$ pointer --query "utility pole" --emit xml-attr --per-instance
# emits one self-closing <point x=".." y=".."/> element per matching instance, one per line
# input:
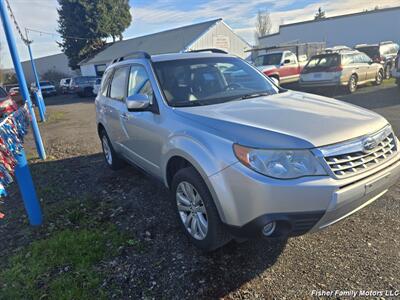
<point x="38" y="92"/>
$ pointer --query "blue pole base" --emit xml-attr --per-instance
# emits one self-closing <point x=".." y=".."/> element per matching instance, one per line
<point x="28" y="192"/>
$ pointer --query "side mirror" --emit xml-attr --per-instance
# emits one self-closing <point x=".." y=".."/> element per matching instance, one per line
<point x="285" y="62"/>
<point x="137" y="102"/>
<point x="370" y="62"/>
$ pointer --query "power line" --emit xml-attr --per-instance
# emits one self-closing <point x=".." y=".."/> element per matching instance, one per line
<point x="24" y="39"/>
<point x="57" y="34"/>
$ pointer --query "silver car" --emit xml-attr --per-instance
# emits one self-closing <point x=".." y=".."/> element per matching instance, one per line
<point x="242" y="157"/>
<point x="341" y="68"/>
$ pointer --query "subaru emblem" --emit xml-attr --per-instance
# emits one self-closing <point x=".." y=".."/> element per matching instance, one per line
<point x="369" y="144"/>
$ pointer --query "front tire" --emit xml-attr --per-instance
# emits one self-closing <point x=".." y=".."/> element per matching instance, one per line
<point x="379" y="78"/>
<point x="352" y="84"/>
<point x="113" y="161"/>
<point x="196" y="211"/>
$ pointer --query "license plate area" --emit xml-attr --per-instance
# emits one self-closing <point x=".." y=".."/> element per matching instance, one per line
<point x="377" y="183"/>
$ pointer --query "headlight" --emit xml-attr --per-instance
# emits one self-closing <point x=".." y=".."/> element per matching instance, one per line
<point x="282" y="164"/>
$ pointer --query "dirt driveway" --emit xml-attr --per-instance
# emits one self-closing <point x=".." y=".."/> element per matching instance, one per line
<point x="126" y="219"/>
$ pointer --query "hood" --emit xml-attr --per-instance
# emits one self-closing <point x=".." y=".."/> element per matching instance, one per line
<point x="47" y="86"/>
<point x="286" y="120"/>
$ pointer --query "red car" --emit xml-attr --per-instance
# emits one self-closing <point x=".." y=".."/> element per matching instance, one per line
<point x="7" y="105"/>
<point x="281" y="66"/>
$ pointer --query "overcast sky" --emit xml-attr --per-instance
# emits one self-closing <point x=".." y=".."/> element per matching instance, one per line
<point x="164" y="14"/>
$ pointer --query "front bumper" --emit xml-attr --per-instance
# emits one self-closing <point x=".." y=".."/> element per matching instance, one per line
<point x="247" y="201"/>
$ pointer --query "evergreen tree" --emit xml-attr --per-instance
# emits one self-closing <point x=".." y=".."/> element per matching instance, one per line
<point x="320" y="14"/>
<point x="85" y="25"/>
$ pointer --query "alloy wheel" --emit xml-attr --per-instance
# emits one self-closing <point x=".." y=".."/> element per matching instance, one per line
<point x="107" y="150"/>
<point x="192" y="210"/>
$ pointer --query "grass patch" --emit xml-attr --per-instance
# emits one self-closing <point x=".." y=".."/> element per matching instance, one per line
<point x="55" y="116"/>
<point x="67" y="263"/>
<point x="62" y="266"/>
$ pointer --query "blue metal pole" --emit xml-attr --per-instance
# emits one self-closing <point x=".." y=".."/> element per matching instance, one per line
<point x="21" y="77"/>
<point x="27" y="189"/>
<point x="38" y="94"/>
<point x="22" y="173"/>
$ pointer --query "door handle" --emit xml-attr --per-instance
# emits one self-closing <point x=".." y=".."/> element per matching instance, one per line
<point x="125" y="116"/>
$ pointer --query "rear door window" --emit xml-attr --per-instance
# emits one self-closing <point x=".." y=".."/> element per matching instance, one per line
<point x="118" y="84"/>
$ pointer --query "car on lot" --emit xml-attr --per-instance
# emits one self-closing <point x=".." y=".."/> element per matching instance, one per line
<point x="47" y="87"/>
<point x="396" y="69"/>
<point x="383" y="53"/>
<point x="83" y="85"/>
<point x="242" y="158"/>
<point x="64" y="85"/>
<point x="7" y="104"/>
<point x="281" y="66"/>
<point x="96" y="86"/>
<point x="347" y="69"/>
<point x="15" y="94"/>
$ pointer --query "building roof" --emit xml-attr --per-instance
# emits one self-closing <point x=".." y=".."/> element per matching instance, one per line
<point x="169" y="41"/>
<point x="332" y="18"/>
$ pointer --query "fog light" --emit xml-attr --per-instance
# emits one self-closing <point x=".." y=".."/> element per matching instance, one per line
<point x="269" y="228"/>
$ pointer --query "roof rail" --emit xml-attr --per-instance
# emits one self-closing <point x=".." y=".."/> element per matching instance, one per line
<point x="385" y="42"/>
<point x="213" y="50"/>
<point x="135" y="54"/>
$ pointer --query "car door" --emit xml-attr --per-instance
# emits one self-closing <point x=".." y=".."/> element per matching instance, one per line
<point x="370" y="66"/>
<point x="114" y="106"/>
<point x="142" y="140"/>
<point x="360" y="66"/>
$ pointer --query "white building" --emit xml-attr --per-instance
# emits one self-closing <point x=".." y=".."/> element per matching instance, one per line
<point x="211" y="34"/>
<point x="57" y="63"/>
<point x="359" y="28"/>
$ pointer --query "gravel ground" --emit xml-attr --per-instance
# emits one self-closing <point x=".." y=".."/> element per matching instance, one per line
<point x="360" y="253"/>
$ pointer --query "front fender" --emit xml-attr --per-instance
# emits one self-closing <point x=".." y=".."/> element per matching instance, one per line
<point x="208" y="158"/>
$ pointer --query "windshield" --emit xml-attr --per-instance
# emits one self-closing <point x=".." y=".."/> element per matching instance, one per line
<point x="45" y="83"/>
<point x="372" y="51"/>
<point x="268" y="59"/>
<point x="84" y="79"/>
<point x="203" y="81"/>
<point x="320" y="62"/>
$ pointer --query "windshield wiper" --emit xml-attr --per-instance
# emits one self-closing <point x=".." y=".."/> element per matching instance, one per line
<point x="254" y="95"/>
<point x="187" y="104"/>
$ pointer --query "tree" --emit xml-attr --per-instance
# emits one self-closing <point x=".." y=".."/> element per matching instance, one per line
<point x="263" y="23"/>
<point x="85" y="25"/>
<point x="320" y="14"/>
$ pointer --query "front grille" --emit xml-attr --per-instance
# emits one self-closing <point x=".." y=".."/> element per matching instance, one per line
<point x="348" y="164"/>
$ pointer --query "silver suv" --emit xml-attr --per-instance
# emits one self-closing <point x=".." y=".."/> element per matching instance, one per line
<point x="242" y="157"/>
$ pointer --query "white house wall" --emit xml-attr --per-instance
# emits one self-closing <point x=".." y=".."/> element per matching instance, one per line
<point x="372" y="27"/>
<point x="220" y="35"/>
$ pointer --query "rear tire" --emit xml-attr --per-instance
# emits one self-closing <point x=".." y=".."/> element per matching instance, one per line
<point x="112" y="159"/>
<point x="352" y="84"/>
<point x="215" y="235"/>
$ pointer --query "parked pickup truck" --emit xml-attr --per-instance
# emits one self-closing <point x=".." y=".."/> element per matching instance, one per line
<point x="280" y="66"/>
